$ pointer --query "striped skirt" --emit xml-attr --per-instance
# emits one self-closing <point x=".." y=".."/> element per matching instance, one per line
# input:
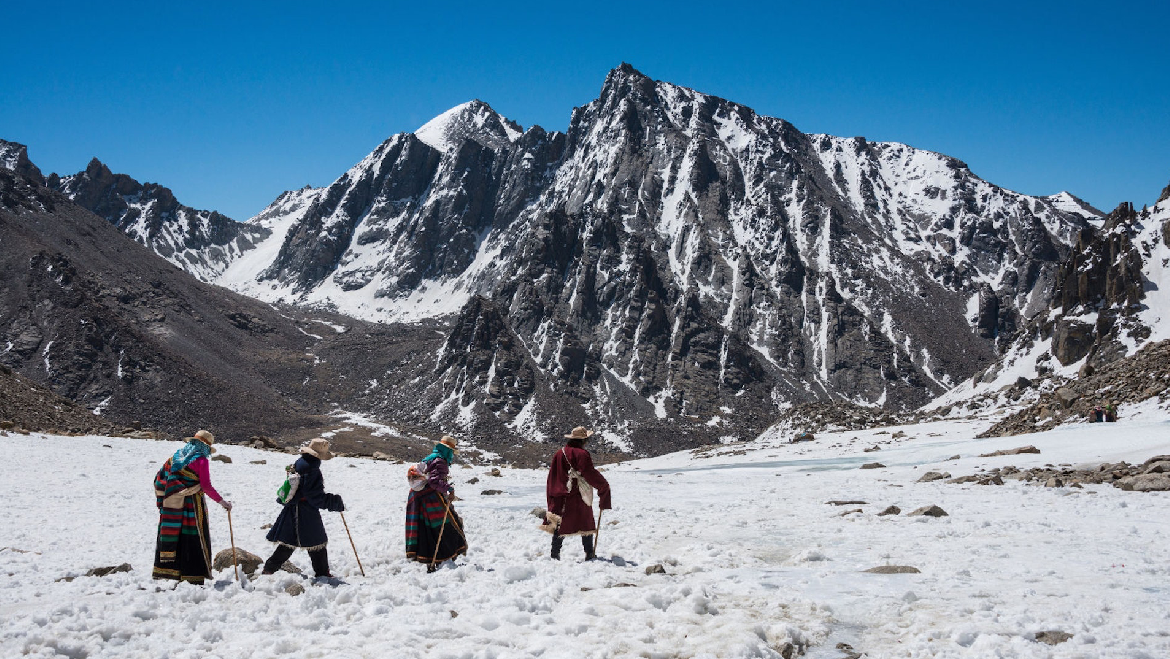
<point x="183" y="550"/>
<point x="424" y="525"/>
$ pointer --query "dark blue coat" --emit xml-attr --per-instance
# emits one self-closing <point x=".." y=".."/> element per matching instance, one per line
<point x="299" y="524"/>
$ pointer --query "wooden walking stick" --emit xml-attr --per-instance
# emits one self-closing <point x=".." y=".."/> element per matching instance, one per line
<point x="232" y="535"/>
<point x="442" y="528"/>
<point x="355" y="554"/>
<point x="597" y="537"/>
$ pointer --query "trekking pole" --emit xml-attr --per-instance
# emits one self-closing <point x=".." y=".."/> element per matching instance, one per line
<point x="597" y="537"/>
<point x="442" y="527"/>
<point x="355" y="554"/>
<point x="455" y="523"/>
<point x="232" y="535"/>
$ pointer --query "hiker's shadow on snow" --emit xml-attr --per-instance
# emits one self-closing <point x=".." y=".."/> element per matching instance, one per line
<point x="615" y="560"/>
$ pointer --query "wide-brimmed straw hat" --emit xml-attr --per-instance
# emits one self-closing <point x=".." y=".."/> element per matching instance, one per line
<point x="206" y="437"/>
<point x="318" y="447"/>
<point x="579" y="433"/>
<point x="450" y="442"/>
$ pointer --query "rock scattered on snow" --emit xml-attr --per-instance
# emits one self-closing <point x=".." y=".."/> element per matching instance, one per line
<point x="113" y="569"/>
<point x="473" y="481"/>
<point x="488" y="493"/>
<point x="1014" y="451"/>
<point x="890" y="510"/>
<point x="248" y="562"/>
<point x="873" y="465"/>
<point x="929" y="511"/>
<point x="294" y="589"/>
<point x="934" y="476"/>
<point x="258" y="462"/>
<point x="494" y="472"/>
<point x="655" y="569"/>
<point x="222" y="458"/>
<point x="845" y="503"/>
<point x="1052" y="637"/>
<point x="1157" y="482"/>
<point x="893" y="569"/>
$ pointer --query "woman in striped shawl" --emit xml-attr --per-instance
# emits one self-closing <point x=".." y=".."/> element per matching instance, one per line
<point x="183" y="552"/>
<point x="434" y="531"/>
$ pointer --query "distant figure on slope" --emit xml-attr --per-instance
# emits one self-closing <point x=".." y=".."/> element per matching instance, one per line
<point x="569" y="492"/>
<point x="1111" y="411"/>
<point x="1097" y="414"/>
<point x="434" y="531"/>
<point x="183" y="550"/>
<point x="299" y="525"/>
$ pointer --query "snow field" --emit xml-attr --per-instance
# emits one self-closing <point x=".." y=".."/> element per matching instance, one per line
<point x="754" y="557"/>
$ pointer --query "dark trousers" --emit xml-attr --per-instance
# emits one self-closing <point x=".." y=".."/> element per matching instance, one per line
<point x="586" y="544"/>
<point x="319" y="557"/>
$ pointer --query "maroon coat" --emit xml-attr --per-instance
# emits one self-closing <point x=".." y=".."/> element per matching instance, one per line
<point x="576" y="517"/>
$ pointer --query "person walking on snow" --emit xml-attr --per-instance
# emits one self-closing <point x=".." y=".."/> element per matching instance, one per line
<point x="434" y="531"/>
<point x="569" y="490"/>
<point x="183" y="548"/>
<point x="299" y="525"/>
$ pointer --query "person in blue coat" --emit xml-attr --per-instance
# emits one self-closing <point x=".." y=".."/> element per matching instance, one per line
<point x="299" y="525"/>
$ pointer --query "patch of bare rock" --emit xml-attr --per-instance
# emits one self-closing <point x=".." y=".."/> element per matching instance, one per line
<point x="1153" y="475"/>
<point x="893" y="569"/>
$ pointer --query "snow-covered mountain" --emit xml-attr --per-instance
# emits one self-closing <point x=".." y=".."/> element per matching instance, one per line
<point x="1111" y="297"/>
<point x="199" y="241"/>
<point x="673" y="257"/>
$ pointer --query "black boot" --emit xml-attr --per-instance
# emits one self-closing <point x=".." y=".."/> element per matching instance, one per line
<point x="587" y="544"/>
<point x="557" y="541"/>
<point x="277" y="559"/>
<point x="320" y="559"/>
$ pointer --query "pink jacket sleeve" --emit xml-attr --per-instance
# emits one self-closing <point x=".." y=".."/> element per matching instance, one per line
<point x="200" y="467"/>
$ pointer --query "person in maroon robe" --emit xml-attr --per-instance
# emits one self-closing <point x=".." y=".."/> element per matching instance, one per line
<point x="572" y="480"/>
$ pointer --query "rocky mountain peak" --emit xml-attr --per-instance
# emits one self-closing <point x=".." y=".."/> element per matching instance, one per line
<point x="1165" y="194"/>
<point x="474" y="120"/>
<point x="14" y="156"/>
<point x="202" y="242"/>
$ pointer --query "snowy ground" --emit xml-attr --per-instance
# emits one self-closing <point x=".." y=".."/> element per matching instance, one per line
<point x="754" y="557"/>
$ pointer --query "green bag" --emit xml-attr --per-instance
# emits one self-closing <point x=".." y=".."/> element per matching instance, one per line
<point x="287" y="491"/>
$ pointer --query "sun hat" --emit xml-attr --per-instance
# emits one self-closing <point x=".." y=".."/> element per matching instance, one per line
<point x="318" y="447"/>
<point x="206" y="437"/>
<point x="579" y="433"/>
<point x="450" y="442"/>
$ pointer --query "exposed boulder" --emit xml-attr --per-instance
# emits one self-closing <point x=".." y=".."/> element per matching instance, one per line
<point x="1157" y="482"/>
<point x="1014" y="451"/>
<point x="929" y="511"/>
<point x="893" y="569"/>
<point x="248" y="562"/>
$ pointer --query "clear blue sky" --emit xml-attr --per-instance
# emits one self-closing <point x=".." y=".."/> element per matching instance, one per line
<point x="229" y="105"/>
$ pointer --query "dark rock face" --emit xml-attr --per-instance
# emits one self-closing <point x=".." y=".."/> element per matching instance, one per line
<point x="26" y="405"/>
<point x="201" y="242"/>
<point x="14" y="157"/>
<point x="1072" y="340"/>
<point x="1102" y="274"/>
